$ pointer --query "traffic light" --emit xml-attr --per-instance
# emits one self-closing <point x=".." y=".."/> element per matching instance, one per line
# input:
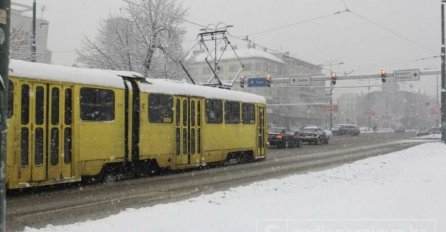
<point x="268" y="80"/>
<point x="333" y="78"/>
<point x="242" y="82"/>
<point x="383" y="75"/>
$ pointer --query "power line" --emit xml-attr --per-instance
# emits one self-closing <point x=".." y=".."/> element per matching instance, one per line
<point x="391" y="31"/>
<point x="298" y="23"/>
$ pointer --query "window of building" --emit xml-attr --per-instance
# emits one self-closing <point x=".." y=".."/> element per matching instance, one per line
<point x="233" y="68"/>
<point x="214" y="111"/>
<point x="206" y="70"/>
<point x="160" y="108"/>
<point x="232" y="112"/>
<point x="248" y="113"/>
<point x="97" y="104"/>
<point x="265" y="67"/>
<point x="248" y="67"/>
<point x="258" y="66"/>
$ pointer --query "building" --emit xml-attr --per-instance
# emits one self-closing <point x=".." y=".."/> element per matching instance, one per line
<point x="397" y="103"/>
<point x="347" y="109"/>
<point x="290" y="105"/>
<point x="21" y="35"/>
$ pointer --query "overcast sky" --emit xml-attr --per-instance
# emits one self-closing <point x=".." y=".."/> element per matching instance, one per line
<point x="363" y="46"/>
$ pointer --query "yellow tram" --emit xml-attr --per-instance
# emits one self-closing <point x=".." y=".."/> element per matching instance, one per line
<point x="66" y="123"/>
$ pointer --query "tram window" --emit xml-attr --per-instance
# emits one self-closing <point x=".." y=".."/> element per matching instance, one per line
<point x="248" y="113"/>
<point x="40" y="98"/>
<point x="97" y="104"/>
<point x="160" y="108"/>
<point x="25" y="105"/>
<point x="199" y="114"/>
<point x="10" y="99"/>
<point x="177" y="112"/>
<point x="192" y="113"/>
<point x="54" y="146"/>
<point x="38" y="147"/>
<point x="55" y="106"/>
<point x="214" y="111"/>
<point x="232" y="112"/>
<point x="67" y="146"/>
<point x="68" y="109"/>
<point x="24" y="147"/>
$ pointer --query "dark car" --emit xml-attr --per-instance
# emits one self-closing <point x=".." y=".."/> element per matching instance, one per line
<point x="283" y="138"/>
<point x="422" y="132"/>
<point x="346" y="129"/>
<point x="314" y="135"/>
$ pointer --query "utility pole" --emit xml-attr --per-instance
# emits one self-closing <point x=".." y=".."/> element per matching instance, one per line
<point x="5" y="22"/>
<point x="33" y="39"/>
<point x="443" y="75"/>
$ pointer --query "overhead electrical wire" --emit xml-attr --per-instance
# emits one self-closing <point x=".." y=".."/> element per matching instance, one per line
<point x="297" y="23"/>
<point x="391" y="31"/>
<point x="347" y="10"/>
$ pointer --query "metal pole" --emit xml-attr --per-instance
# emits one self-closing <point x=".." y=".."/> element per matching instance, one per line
<point x="443" y="75"/>
<point x="331" y="105"/>
<point x="5" y="22"/>
<point x="33" y="40"/>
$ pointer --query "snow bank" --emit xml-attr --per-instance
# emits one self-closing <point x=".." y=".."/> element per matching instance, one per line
<point x="404" y="190"/>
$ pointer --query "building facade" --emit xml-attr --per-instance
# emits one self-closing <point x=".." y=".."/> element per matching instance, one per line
<point x="21" y="35"/>
<point x="290" y="105"/>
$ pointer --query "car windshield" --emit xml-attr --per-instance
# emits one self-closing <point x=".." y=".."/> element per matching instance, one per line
<point x="276" y="130"/>
<point x="309" y="129"/>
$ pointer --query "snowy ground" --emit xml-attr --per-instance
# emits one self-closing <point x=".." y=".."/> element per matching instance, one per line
<point x="398" y="192"/>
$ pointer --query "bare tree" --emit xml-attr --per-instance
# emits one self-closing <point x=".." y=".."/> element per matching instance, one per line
<point x="147" y="40"/>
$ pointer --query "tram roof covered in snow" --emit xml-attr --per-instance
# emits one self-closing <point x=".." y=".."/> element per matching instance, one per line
<point x="112" y="78"/>
<point x="57" y="73"/>
<point x="186" y="89"/>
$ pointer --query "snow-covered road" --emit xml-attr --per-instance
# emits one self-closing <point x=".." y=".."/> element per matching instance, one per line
<point x="402" y="191"/>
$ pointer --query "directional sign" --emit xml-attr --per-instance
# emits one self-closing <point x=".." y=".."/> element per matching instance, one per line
<point x="369" y="113"/>
<point x="334" y="108"/>
<point x="300" y="81"/>
<point x="407" y="75"/>
<point x="257" y="82"/>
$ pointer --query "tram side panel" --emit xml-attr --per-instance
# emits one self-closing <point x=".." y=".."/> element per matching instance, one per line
<point x="157" y="128"/>
<point x="99" y="138"/>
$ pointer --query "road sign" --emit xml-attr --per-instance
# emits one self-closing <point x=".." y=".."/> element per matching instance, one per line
<point x="334" y="109"/>
<point x="369" y="113"/>
<point x="257" y="82"/>
<point x="300" y="81"/>
<point x="407" y="75"/>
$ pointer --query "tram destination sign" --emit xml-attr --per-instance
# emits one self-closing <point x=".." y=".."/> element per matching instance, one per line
<point x="407" y="75"/>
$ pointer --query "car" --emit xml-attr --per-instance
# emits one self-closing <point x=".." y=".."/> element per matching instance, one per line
<point x="398" y="129"/>
<point x="435" y="130"/>
<point x="422" y="132"/>
<point x="283" y="138"/>
<point x="346" y="129"/>
<point x="314" y="135"/>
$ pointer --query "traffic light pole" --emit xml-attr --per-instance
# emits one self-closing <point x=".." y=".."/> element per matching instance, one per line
<point x="5" y="6"/>
<point x="331" y="105"/>
<point x="443" y="75"/>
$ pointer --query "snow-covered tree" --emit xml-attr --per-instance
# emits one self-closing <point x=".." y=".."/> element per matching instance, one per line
<point x="147" y="40"/>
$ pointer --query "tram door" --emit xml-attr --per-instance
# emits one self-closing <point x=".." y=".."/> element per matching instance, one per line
<point x="59" y="155"/>
<point x="45" y="132"/>
<point x="188" y="130"/>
